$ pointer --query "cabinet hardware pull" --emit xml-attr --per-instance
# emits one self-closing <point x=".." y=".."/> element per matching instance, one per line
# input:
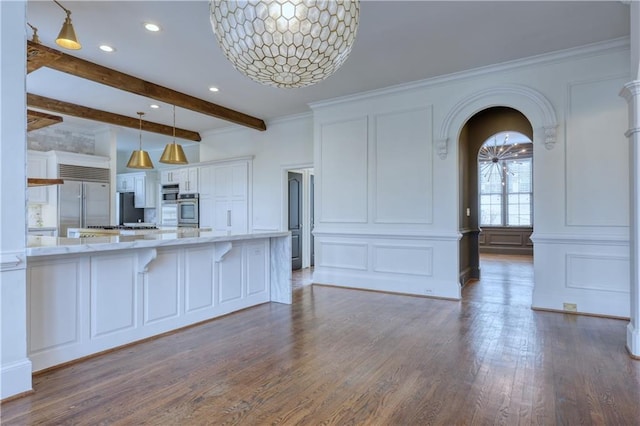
<point x="228" y="217"/>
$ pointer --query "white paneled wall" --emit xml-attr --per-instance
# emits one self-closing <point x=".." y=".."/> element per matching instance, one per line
<point x="408" y="239"/>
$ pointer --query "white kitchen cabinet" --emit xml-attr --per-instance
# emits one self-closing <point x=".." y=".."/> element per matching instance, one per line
<point x="145" y="190"/>
<point x="188" y="183"/>
<point x="125" y="182"/>
<point x="169" y="177"/>
<point x="205" y="185"/>
<point x="37" y="168"/>
<point x="230" y="199"/>
<point x="142" y="184"/>
<point x="186" y="178"/>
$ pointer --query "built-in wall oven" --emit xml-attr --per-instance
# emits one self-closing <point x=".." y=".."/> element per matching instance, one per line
<point x="169" y="206"/>
<point x="188" y="211"/>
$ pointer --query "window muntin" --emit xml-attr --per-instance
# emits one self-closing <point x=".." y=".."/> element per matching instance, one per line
<point x="505" y="182"/>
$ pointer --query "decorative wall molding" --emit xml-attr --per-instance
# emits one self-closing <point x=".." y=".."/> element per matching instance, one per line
<point x="586" y="51"/>
<point x="550" y="136"/>
<point x="606" y="240"/>
<point x="535" y="106"/>
<point x="589" y="271"/>
<point x="631" y="93"/>
<point x="12" y="260"/>
<point x="320" y="232"/>
<point x="385" y="262"/>
<point x="442" y="147"/>
<point x="343" y="260"/>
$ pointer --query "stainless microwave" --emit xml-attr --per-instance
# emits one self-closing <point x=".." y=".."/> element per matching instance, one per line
<point x="169" y="193"/>
<point x="188" y="210"/>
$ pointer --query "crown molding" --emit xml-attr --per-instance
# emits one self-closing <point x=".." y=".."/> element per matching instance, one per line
<point x="618" y="44"/>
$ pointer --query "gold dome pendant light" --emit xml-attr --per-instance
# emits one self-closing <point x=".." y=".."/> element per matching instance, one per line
<point x="140" y="159"/>
<point x="67" y="37"/>
<point x="173" y="152"/>
<point x="285" y="43"/>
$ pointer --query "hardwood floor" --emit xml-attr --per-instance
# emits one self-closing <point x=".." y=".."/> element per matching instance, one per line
<point x="339" y="356"/>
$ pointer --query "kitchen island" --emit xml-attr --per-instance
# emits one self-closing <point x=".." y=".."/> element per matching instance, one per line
<point x="88" y="295"/>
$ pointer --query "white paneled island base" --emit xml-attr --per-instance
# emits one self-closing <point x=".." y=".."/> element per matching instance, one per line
<point x="88" y="295"/>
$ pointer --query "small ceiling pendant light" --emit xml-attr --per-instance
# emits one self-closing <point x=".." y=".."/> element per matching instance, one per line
<point x="140" y="159"/>
<point x="35" y="37"/>
<point x="67" y="37"/>
<point x="285" y="43"/>
<point x="173" y="152"/>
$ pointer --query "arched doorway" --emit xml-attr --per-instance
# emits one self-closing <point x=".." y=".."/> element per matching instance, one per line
<point x="475" y="132"/>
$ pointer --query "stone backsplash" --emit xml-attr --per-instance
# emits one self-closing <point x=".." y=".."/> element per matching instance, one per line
<point x="59" y="139"/>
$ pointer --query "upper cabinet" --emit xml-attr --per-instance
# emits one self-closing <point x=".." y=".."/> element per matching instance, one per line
<point x="125" y="182"/>
<point x="144" y="185"/>
<point x="186" y="178"/>
<point x="37" y="168"/>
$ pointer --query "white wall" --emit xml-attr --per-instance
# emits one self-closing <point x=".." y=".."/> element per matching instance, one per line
<point x="286" y="144"/>
<point x="387" y="180"/>
<point x="15" y="367"/>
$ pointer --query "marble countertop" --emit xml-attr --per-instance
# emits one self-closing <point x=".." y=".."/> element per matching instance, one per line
<point x="52" y="246"/>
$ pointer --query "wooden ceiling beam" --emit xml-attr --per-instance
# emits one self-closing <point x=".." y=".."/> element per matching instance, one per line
<point x="110" y="77"/>
<point x="39" y="56"/>
<point x="38" y="120"/>
<point x="61" y="107"/>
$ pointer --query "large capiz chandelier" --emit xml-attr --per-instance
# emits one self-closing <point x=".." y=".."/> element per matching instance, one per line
<point x="286" y="43"/>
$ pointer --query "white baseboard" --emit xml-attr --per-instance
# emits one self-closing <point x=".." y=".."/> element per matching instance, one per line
<point x="633" y="340"/>
<point x="15" y="378"/>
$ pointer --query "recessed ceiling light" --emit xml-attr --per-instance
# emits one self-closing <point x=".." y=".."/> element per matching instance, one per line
<point x="154" y="106"/>
<point x="106" y="48"/>
<point x="213" y="89"/>
<point x="151" y="27"/>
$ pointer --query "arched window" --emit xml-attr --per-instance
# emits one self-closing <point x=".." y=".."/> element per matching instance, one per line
<point x="505" y="176"/>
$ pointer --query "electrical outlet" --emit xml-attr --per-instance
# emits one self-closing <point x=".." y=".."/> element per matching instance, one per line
<point x="570" y="307"/>
<point x="428" y="291"/>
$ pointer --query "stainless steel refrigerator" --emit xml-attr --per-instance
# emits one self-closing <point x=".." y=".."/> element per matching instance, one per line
<point x="82" y="204"/>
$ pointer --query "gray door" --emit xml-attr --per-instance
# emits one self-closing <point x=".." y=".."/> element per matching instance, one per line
<point x="295" y="219"/>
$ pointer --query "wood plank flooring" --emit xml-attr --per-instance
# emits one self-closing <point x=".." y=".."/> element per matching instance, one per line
<point x="349" y="357"/>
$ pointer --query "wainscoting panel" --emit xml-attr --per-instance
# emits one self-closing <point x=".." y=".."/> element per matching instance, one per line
<point x="342" y="255"/>
<point x="403" y="259"/>
<point x="344" y="168"/>
<point x="598" y="272"/>
<point x="403" y="183"/>
<point x="199" y="282"/>
<point x="592" y="273"/>
<point x="409" y="264"/>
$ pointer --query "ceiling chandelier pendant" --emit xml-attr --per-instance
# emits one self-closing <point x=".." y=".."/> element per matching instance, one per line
<point x="140" y="159"/>
<point x="67" y="36"/>
<point x="173" y="152"/>
<point x="493" y="158"/>
<point x="286" y="43"/>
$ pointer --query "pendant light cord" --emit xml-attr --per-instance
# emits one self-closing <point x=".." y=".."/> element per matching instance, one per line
<point x="174" y="124"/>
<point x="140" y="114"/>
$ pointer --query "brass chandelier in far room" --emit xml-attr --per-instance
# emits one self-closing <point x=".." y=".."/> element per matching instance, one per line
<point x="285" y="43"/>
<point x="140" y="159"/>
<point x="173" y="152"/>
<point x="67" y="36"/>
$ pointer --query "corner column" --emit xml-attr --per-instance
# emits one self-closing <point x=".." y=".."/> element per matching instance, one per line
<point x="631" y="92"/>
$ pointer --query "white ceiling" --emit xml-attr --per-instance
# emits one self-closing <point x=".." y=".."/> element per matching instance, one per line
<point x="397" y="42"/>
